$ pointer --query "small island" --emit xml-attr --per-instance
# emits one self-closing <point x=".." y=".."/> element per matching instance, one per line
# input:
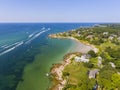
<point x="96" y="69"/>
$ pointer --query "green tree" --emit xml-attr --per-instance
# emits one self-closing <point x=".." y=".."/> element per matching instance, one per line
<point x="105" y="77"/>
<point x="116" y="81"/>
<point x="92" y="53"/>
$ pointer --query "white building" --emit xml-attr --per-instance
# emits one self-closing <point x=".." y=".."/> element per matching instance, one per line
<point x="112" y="64"/>
<point x="81" y="59"/>
<point x="110" y="37"/>
<point x="118" y="38"/>
<point x="105" y="33"/>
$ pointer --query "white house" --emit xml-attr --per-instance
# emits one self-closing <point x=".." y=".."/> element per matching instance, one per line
<point x="112" y="64"/>
<point x="110" y="37"/>
<point x="81" y="59"/>
<point x="118" y="38"/>
<point x="105" y="33"/>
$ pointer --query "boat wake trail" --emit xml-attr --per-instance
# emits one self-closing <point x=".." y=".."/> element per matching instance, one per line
<point x="10" y="49"/>
<point x="7" y="48"/>
<point x="32" y="36"/>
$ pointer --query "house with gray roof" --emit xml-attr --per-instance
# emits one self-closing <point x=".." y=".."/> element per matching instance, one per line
<point x="93" y="73"/>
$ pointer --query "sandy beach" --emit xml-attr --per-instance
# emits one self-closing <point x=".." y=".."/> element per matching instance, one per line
<point x="81" y="46"/>
<point x="57" y="69"/>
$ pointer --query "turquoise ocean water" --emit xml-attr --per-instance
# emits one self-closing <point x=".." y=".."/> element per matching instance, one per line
<point x="27" y="54"/>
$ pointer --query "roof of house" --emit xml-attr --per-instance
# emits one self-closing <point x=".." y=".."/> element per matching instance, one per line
<point x="99" y="58"/>
<point x="81" y="59"/>
<point x="112" y="64"/>
<point x="92" y="73"/>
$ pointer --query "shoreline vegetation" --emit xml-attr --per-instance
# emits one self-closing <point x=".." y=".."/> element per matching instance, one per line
<point x="98" y="68"/>
<point x="57" y="69"/>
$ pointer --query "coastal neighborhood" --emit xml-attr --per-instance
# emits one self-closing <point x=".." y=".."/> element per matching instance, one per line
<point x="98" y="69"/>
<point x="59" y="44"/>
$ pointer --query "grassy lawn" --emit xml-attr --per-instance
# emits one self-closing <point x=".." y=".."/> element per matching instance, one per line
<point x="76" y="72"/>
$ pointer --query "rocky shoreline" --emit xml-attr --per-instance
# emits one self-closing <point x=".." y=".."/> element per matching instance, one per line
<point x="57" y="69"/>
<point x="56" y="72"/>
